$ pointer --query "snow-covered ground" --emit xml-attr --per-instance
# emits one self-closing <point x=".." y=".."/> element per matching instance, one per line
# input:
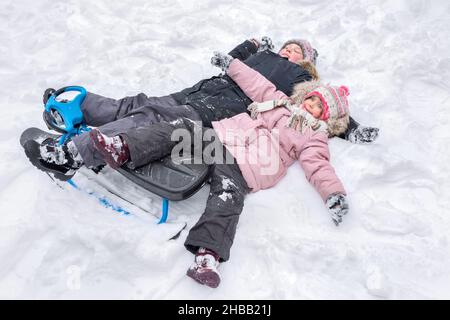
<point x="394" y="243"/>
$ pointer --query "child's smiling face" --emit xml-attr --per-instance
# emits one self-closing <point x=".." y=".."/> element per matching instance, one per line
<point x="293" y="52"/>
<point x="314" y="106"/>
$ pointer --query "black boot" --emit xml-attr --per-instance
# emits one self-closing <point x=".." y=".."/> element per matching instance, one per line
<point x="60" y="160"/>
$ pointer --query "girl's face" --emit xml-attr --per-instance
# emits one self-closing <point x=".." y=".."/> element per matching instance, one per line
<point x="314" y="106"/>
<point x="293" y="52"/>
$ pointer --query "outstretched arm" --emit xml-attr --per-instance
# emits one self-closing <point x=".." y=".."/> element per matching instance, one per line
<point x="357" y="133"/>
<point x="244" y="50"/>
<point x="250" y="47"/>
<point x="254" y="85"/>
<point x="315" y="161"/>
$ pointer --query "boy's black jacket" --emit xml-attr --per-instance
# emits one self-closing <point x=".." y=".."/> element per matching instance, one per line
<point x="220" y="97"/>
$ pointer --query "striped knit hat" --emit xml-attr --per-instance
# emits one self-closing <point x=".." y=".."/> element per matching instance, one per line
<point x="309" y="53"/>
<point x="335" y="107"/>
<point x="334" y="101"/>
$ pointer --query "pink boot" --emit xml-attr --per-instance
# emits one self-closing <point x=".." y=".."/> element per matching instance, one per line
<point x="114" y="150"/>
<point x="204" y="269"/>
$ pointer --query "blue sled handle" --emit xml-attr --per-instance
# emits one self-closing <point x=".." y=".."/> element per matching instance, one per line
<point x="71" y="110"/>
<point x="77" y="101"/>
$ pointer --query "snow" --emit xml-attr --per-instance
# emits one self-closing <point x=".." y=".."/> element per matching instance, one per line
<point x="224" y="196"/>
<point x="393" y="243"/>
<point x="56" y="157"/>
<point x="227" y="183"/>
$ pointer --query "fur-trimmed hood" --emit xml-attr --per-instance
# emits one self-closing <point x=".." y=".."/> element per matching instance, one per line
<point x="308" y="66"/>
<point x="337" y="125"/>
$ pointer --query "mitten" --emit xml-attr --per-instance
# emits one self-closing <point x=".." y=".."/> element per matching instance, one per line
<point x="221" y="60"/>
<point x="337" y="206"/>
<point x="265" y="44"/>
<point x="363" y="135"/>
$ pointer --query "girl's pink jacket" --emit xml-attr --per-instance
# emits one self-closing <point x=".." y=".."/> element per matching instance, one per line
<point x="264" y="148"/>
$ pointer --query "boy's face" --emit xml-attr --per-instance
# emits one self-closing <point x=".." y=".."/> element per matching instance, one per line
<point x="314" y="106"/>
<point x="293" y="52"/>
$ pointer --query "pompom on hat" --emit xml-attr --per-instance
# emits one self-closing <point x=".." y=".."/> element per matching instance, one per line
<point x="309" y="53"/>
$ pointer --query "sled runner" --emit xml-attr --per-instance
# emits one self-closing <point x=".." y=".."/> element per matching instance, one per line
<point x="169" y="180"/>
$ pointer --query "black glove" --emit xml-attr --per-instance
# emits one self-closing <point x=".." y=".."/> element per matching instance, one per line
<point x="337" y="206"/>
<point x="221" y="60"/>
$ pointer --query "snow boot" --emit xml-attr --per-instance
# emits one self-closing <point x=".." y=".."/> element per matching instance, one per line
<point x="48" y="156"/>
<point x="114" y="150"/>
<point x="204" y="269"/>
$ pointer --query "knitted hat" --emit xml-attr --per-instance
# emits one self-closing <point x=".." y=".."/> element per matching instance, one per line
<point x="335" y="107"/>
<point x="334" y="101"/>
<point x="309" y="53"/>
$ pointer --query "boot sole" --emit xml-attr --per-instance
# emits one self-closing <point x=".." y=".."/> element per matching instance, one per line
<point x="210" y="279"/>
<point x="33" y="154"/>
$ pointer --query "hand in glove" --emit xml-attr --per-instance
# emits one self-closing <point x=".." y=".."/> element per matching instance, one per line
<point x="337" y="206"/>
<point x="363" y="135"/>
<point x="265" y="44"/>
<point x="221" y="60"/>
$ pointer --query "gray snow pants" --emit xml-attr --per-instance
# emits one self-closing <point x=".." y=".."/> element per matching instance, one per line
<point x="216" y="227"/>
<point x="114" y="117"/>
<point x="147" y="124"/>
